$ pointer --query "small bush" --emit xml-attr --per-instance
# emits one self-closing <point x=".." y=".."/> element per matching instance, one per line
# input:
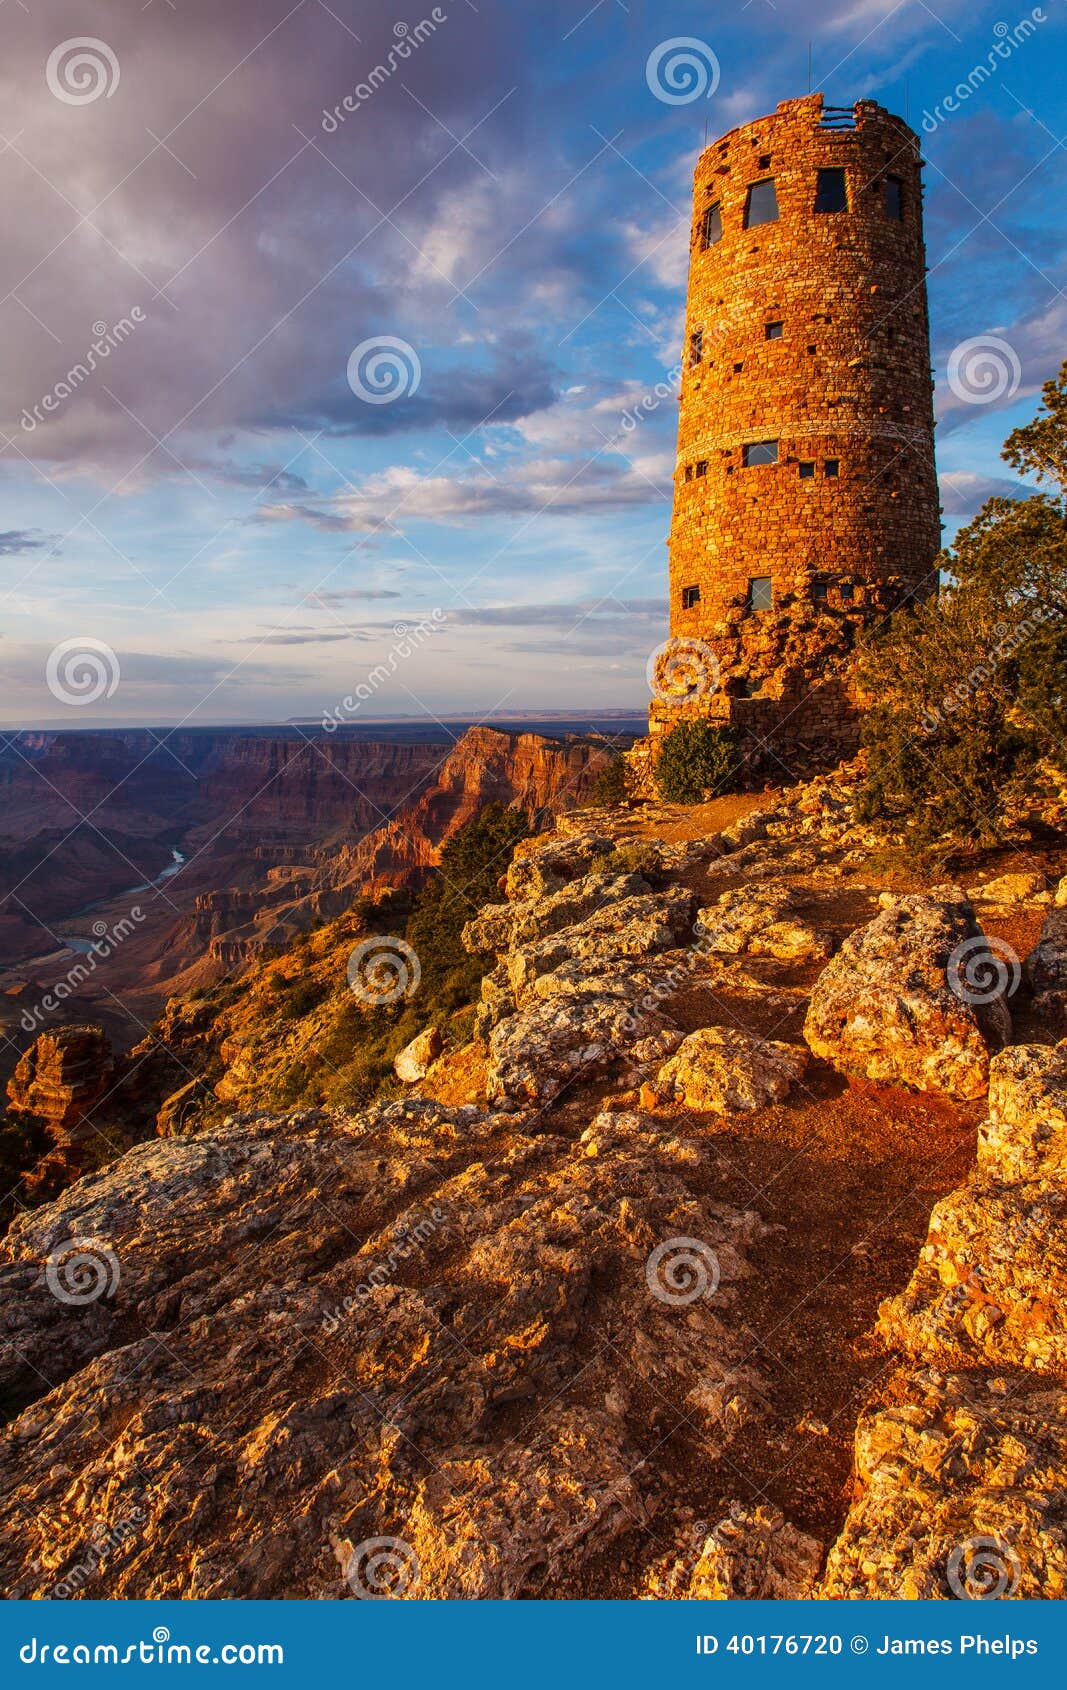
<point x="612" y="784"/>
<point x="696" y="761"/>
<point x="640" y="857"/>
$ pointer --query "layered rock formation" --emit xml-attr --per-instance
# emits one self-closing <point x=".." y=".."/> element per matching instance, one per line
<point x="591" y="1309"/>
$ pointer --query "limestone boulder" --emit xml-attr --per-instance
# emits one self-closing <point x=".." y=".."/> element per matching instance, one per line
<point x="535" y="1053"/>
<point x="1045" y="969"/>
<point x="729" y="1070"/>
<point x="960" y="1493"/>
<point x="916" y="998"/>
<point x="1024" y="887"/>
<point x="1024" y="1136"/>
<point x="414" y="1060"/>
<point x="761" y="921"/>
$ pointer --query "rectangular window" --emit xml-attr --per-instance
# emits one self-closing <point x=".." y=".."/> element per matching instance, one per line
<point x="847" y="591"/>
<point x="831" y="467"/>
<point x="759" y="452"/>
<point x="818" y="592"/>
<point x="689" y="472"/>
<point x="894" y="199"/>
<point x="830" y="194"/>
<point x="702" y="467"/>
<point x="772" y="331"/>
<point x="711" y="227"/>
<point x="761" y="204"/>
<point x="696" y="347"/>
<point x="690" y="597"/>
<point x="807" y="471"/>
<point x="759" y="593"/>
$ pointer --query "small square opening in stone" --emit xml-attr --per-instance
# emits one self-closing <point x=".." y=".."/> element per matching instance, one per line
<point x="702" y="466"/>
<point x="765" y="161"/>
<point x="711" y="226"/>
<point x="760" y="594"/>
<point x="752" y="688"/>
<point x="894" y="199"/>
<point x="690" y="597"/>
<point x="830" y="191"/>
<point x="696" y="347"/>
<point x="847" y="591"/>
<point x="807" y="470"/>
<point x="819" y="592"/>
<point x="759" y="452"/>
<point x="773" y="331"/>
<point x="689" y="472"/>
<point x="831" y="467"/>
<point x="761" y="204"/>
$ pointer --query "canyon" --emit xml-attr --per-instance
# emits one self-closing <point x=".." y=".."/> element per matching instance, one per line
<point x="713" y="1253"/>
<point x="183" y="854"/>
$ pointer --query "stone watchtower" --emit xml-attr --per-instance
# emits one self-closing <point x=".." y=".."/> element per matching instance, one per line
<point x="805" y="502"/>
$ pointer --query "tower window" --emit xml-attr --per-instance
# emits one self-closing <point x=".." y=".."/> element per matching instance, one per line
<point x="830" y="194"/>
<point x="711" y="227"/>
<point x="761" y="204"/>
<point x="847" y="591"/>
<point x="772" y="331"/>
<point x="689" y="472"/>
<point x="690" y="597"/>
<point x="894" y="199"/>
<point x="760" y="596"/>
<point x="696" y="347"/>
<point x="765" y="162"/>
<point x="807" y="471"/>
<point x="831" y="467"/>
<point x="759" y="452"/>
<point x="818" y="592"/>
<point x="702" y="467"/>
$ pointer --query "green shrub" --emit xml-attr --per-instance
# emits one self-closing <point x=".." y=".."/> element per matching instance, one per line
<point x="696" y="761"/>
<point x="612" y="784"/>
<point x="969" y="686"/>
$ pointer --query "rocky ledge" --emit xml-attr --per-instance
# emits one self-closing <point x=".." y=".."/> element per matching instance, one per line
<point x="593" y="1309"/>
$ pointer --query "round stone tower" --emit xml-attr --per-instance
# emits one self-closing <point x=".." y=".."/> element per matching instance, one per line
<point x="805" y="501"/>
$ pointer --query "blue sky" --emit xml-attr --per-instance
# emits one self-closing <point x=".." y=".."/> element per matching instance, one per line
<point x="217" y="515"/>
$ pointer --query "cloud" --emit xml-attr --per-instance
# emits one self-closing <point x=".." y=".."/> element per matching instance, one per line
<point x="538" y="487"/>
<point x="17" y="542"/>
<point x="964" y="493"/>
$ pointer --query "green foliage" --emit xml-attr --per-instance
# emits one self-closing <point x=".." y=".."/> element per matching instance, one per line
<point x="471" y="865"/>
<point x="612" y="784"/>
<point x="639" y="857"/>
<point x="970" y="687"/>
<point x="697" y="760"/>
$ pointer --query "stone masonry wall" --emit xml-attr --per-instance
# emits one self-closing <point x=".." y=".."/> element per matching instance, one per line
<point x="809" y="331"/>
